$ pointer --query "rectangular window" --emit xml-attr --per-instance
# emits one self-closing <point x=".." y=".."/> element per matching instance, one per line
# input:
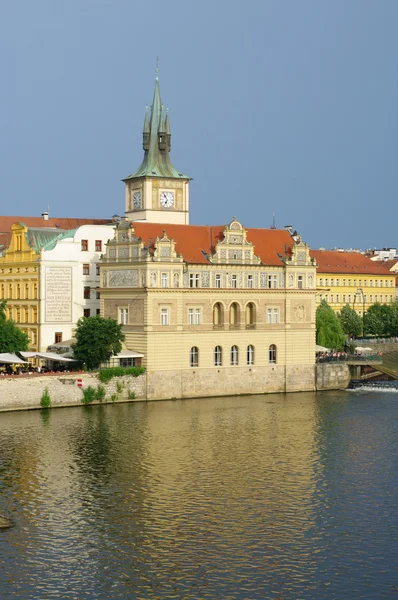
<point x="371" y="283"/>
<point x="165" y="280"/>
<point x="355" y="282"/>
<point x="332" y="298"/>
<point x="218" y="280"/>
<point x="349" y="297"/>
<point x="337" y="281"/>
<point x="194" y="316"/>
<point x="332" y="282"/>
<point x="371" y="298"/>
<point x="97" y="294"/>
<point x="360" y="282"/>
<point x="269" y="316"/>
<point x="98" y="245"/>
<point x="344" y="281"/>
<point x="194" y="280"/>
<point x="86" y="293"/>
<point x="98" y="311"/>
<point x="272" y="281"/>
<point x="300" y="282"/>
<point x="58" y="337"/>
<point x="365" y="298"/>
<point x="84" y="246"/>
<point x="86" y="312"/>
<point x="97" y="270"/>
<point x="250" y="281"/>
<point x="321" y="281"/>
<point x="326" y="281"/>
<point x="86" y="269"/>
<point x="123" y="316"/>
<point x="376" y="298"/>
<point x="344" y="298"/>
<point x="27" y="291"/>
<point x="164" y="316"/>
<point x="338" y="298"/>
<point x="197" y="316"/>
<point x="276" y="315"/>
<point x="190" y="316"/>
<point x="327" y="297"/>
<point x="234" y="281"/>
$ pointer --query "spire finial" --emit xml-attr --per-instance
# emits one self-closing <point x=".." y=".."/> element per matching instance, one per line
<point x="157" y="68"/>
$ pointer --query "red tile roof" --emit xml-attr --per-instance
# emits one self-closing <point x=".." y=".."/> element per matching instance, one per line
<point x="390" y="263"/>
<point x="196" y="242"/>
<point x="61" y="223"/>
<point x="332" y="261"/>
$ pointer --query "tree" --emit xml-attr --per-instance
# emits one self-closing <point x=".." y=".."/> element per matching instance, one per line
<point x="351" y="322"/>
<point x="329" y="332"/>
<point x="393" y="319"/>
<point x="97" y="339"/>
<point x="12" y="339"/>
<point x="376" y="319"/>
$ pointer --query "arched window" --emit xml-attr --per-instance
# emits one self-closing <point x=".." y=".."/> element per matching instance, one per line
<point x="250" y="355"/>
<point x="194" y="356"/>
<point x="234" y="314"/>
<point x="217" y="356"/>
<point x="272" y="354"/>
<point x="250" y="314"/>
<point x="234" y="355"/>
<point x="218" y="315"/>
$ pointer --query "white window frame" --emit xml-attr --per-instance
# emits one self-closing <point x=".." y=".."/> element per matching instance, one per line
<point x="234" y="356"/>
<point x="218" y="356"/>
<point x="218" y="280"/>
<point x="165" y="280"/>
<point x="123" y="315"/>
<point x="194" y="357"/>
<point x="234" y="281"/>
<point x="164" y="316"/>
<point x="250" y="281"/>
<point x="250" y="355"/>
<point x="194" y="280"/>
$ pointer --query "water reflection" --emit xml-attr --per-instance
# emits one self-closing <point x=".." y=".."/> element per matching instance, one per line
<point x="257" y="497"/>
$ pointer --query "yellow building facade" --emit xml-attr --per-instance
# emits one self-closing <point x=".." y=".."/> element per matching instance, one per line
<point x="19" y="283"/>
<point x="352" y="278"/>
<point x="213" y="310"/>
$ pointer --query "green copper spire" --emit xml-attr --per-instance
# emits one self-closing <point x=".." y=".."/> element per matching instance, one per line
<point x="156" y="142"/>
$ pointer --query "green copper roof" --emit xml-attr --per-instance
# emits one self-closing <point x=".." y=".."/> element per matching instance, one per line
<point x="156" y="162"/>
<point x="44" y="238"/>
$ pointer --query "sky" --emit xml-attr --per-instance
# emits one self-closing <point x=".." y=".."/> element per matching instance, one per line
<point x="281" y="106"/>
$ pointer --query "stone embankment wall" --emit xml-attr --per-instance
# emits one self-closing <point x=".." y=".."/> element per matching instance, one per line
<point x="332" y="376"/>
<point x="23" y="391"/>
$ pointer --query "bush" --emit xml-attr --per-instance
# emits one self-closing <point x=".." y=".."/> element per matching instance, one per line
<point x="45" y="401"/>
<point x="119" y="387"/>
<point x="106" y="375"/>
<point x="100" y="393"/>
<point x="131" y="395"/>
<point x="89" y="394"/>
<point x="114" y="397"/>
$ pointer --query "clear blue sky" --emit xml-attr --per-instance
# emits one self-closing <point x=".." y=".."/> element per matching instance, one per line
<point x="274" y="105"/>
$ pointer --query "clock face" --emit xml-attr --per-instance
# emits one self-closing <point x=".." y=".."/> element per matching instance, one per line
<point x="137" y="199"/>
<point x="167" y="199"/>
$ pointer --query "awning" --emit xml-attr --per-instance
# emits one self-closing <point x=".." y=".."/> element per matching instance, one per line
<point x="66" y="345"/>
<point x="321" y="349"/>
<point x="127" y="354"/>
<point x="47" y="356"/>
<point x="8" y="358"/>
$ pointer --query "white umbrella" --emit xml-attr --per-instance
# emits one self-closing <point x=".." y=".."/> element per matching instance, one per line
<point x="321" y="349"/>
<point x="361" y="349"/>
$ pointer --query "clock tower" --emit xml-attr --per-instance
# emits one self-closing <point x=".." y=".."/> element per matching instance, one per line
<point x="156" y="192"/>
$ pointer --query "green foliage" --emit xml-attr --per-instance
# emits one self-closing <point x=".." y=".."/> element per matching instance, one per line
<point x="100" y="393"/>
<point x="45" y="401"/>
<point x="97" y="339"/>
<point x="119" y="387"/>
<point x="106" y="375"/>
<point x="12" y="339"/>
<point x="393" y="320"/>
<point x="351" y="322"/>
<point x="114" y="397"/>
<point x="329" y="332"/>
<point x="376" y="319"/>
<point x="131" y="395"/>
<point x="89" y="394"/>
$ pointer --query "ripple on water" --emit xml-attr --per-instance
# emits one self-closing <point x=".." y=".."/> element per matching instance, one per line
<point x="289" y="497"/>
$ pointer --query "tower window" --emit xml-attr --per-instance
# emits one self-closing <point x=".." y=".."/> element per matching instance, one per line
<point x="84" y="246"/>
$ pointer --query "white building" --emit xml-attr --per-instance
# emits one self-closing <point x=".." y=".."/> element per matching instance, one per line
<point x="70" y="277"/>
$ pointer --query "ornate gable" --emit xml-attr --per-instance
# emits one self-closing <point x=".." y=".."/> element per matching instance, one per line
<point x="234" y="248"/>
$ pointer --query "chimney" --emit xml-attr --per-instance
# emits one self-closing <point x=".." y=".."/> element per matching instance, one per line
<point x="45" y="216"/>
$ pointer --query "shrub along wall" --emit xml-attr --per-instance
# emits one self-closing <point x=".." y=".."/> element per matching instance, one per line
<point x="21" y="392"/>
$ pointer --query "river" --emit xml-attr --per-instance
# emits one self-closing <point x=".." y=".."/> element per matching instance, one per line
<point x="275" y="497"/>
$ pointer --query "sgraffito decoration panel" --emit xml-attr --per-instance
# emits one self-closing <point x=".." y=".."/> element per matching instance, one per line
<point x="123" y="278"/>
